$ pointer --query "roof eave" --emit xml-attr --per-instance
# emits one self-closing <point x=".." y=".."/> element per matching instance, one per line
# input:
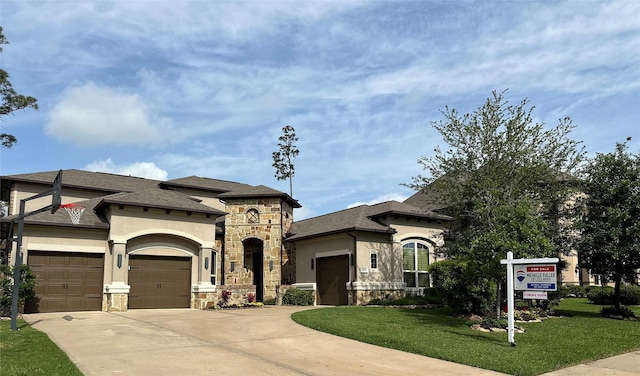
<point x="439" y="217"/>
<point x="327" y="233"/>
<point x="191" y="186"/>
<point x="107" y="202"/>
<point x="293" y="202"/>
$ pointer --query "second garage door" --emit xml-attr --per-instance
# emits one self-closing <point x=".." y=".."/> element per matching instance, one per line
<point x="159" y="282"/>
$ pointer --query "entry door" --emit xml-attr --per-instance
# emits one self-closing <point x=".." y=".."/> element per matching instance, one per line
<point x="332" y="275"/>
<point x="257" y="264"/>
<point x="159" y="282"/>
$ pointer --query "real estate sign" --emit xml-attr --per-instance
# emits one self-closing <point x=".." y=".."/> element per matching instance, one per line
<point x="536" y="277"/>
<point x="535" y="295"/>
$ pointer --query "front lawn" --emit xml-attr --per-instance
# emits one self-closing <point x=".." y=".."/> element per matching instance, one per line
<point x="552" y="344"/>
<point x="31" y="352"/>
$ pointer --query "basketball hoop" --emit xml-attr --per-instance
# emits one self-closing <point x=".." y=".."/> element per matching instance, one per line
<point x="75" y="212"/>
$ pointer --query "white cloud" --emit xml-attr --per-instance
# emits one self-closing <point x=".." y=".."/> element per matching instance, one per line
<point x="360" y="82"/>
<point x="382" y="198"/>
<point x="95" y="115"/>
<point x="302" y="213"/>
<point x="146" y="170"/>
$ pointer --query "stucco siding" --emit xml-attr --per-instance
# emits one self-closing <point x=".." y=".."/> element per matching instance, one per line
<point x="306" y="250"/>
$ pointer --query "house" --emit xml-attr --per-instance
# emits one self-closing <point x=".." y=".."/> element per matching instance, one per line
<point x="366" y="252"/>
<point x="144" y="243"/>
<point x="428" y="199"/>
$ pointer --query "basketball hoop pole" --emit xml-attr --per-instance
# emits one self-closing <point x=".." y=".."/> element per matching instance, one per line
<point x="18" y="254"/>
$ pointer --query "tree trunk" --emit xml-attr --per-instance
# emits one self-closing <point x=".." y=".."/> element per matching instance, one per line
<point x="616" y="294"/>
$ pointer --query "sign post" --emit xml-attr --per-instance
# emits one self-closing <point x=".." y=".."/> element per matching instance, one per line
<point x="532" y="277"/>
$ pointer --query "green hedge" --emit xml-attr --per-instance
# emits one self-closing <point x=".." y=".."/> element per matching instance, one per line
<point x="295" y="296"/>
<point x="629" y="295"/>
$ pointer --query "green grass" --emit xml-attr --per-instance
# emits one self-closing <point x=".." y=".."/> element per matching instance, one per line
<point x="31" y="352"/>
<point x="552" y="344"/>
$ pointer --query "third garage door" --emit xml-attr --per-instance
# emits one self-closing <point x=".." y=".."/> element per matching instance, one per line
<point x="332" y="275"/>
<point x="159" y="282"/>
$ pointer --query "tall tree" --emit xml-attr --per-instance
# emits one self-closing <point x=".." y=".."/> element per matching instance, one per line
<point x="609" y="224"/>
<point x="493" y="179"/>
<point x="285" y="156"/>
<point x="11" y="100"/>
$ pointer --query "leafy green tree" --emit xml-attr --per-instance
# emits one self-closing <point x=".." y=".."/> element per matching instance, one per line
<point x="608" y="226"/>
<point x="498" y="178"/>
<point x="11" y="100"/>
<point x="285" y="156"/>
<point x="26" y="288"/>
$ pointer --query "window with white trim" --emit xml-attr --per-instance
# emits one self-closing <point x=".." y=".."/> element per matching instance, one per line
<point x="374" y="261"/>
<point x="214" y="268"/>
<point x="415" y="261"/>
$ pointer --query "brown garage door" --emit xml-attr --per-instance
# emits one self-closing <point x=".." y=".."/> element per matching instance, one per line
<point x="66" y="282"/>
<point x="332" y="275"/>
<point x="159" y="282"/>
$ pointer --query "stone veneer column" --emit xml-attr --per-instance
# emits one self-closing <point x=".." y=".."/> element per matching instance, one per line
<point x="267" y="229"/>
<point x="117" y="293"/>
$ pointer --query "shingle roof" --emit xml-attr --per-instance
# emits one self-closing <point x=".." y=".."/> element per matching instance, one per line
<point x="405" y="209"/>
<point x="360" y="218"/>
<point x="89" y="219"/>
<point x="341" y="221"/>
<point x="93" y="218"/>
<point x="99" y="181"/>
<point x="426" y="199"/>
<point x="259" y="191"/>
<point x="161" y="199"/>
<point x="209" y="184"/>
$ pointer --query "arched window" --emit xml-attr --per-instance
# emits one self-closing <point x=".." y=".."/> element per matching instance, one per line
<point x="415" y="260"/>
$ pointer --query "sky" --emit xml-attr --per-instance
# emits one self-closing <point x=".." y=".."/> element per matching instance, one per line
<point x="169" y="89"/>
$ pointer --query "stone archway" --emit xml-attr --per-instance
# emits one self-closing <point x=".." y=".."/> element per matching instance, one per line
<point x="253" y="251"/>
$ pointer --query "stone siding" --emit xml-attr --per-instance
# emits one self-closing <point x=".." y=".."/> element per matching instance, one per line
<point x="115" y="302"/>
<point x="274" y="216"/>
<point x="204" y="300"/>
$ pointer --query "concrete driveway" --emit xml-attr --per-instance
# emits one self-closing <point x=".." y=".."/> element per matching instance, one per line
<point x="233" y="342"/>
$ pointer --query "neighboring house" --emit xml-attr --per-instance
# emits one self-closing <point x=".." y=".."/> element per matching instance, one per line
<point x="427" y="199"/>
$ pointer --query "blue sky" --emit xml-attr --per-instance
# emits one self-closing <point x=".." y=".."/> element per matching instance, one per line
<point x="168" y="89"/>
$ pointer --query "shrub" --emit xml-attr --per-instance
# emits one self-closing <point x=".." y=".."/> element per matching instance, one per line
<point x="492" y="322"/>
<point x="612" y="311"/>
<point x="251" y="297"/>
<point x="26" y="289"/>
<point x="575" y="290"/>
<point x="270" y="301"/>
<point x="295" y="296"/>
<point x="526" y="314"/>
<point x="462" y="287"/>
<point x="605" y="296"/>
<point x="225" y="295"/>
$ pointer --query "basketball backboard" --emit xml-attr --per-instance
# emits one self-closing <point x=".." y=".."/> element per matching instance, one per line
<point x="56" y="199"/>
